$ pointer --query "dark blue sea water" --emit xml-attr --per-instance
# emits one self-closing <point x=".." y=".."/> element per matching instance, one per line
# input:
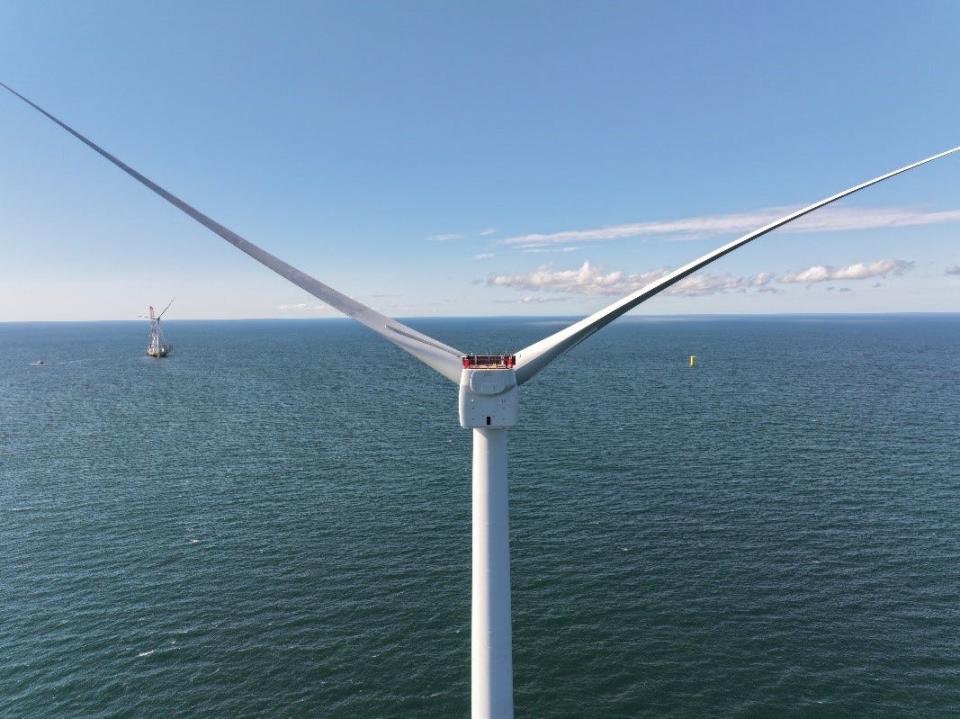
<point x="275" y="521"/>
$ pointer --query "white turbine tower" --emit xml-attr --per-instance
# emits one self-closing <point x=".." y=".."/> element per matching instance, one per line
<point x="489" y="403"/>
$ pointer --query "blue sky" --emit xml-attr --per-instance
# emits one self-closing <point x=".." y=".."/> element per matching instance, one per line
<point x="477" y="159"/>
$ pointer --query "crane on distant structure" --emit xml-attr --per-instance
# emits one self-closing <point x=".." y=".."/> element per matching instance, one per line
<point x="157" y="347"/>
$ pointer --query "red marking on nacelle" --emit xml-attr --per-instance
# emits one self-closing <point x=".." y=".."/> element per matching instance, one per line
<point x="489" y="361"/>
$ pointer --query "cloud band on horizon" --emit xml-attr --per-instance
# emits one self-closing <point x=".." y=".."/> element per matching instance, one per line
<point x="590" y="280"/>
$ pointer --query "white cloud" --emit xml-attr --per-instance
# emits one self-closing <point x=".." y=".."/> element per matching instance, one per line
<point x="487" y="231"/>
<point x="539" y="250"/>
<point x="589" y="280"/>
<point x="305" y="307"/>
<point x="445" y="237"/>
<point x="484" y="256"/>
<point x="536" y="300"/>
<point x="830" y="219"/>
<point x="955" y="270"/>
<point x="856" y="271"/>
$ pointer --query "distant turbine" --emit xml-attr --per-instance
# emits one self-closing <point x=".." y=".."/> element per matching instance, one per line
<point x="156" y="347"/>
<point x="489" y="404"/>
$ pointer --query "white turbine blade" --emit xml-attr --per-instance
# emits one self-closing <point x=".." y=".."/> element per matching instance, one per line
<point x="166" y="308"/>
<point x="534" y="358"/>
<point x="444" y="359"/>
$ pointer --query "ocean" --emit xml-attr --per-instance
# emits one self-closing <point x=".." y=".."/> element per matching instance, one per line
<point x="275" y="521"/>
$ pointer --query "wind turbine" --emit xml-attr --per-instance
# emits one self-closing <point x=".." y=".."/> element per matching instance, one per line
<point x="488" y="404"/>
<point x="156" y="346"/>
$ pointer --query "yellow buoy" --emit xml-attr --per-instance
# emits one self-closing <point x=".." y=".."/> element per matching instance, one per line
<point x="693" y="360"/>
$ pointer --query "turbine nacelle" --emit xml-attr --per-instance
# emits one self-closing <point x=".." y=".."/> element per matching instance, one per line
<point x="488" y="392"/>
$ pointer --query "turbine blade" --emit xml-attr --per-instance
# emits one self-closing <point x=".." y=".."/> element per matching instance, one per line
<point x="444" y="359"/>
<point x="534" y="358"/>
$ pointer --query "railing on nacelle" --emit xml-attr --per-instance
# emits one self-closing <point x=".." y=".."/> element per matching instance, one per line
<point x="489" y="361"/>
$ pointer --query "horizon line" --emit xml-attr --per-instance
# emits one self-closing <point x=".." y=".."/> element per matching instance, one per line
<point x="706" y="315"/>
